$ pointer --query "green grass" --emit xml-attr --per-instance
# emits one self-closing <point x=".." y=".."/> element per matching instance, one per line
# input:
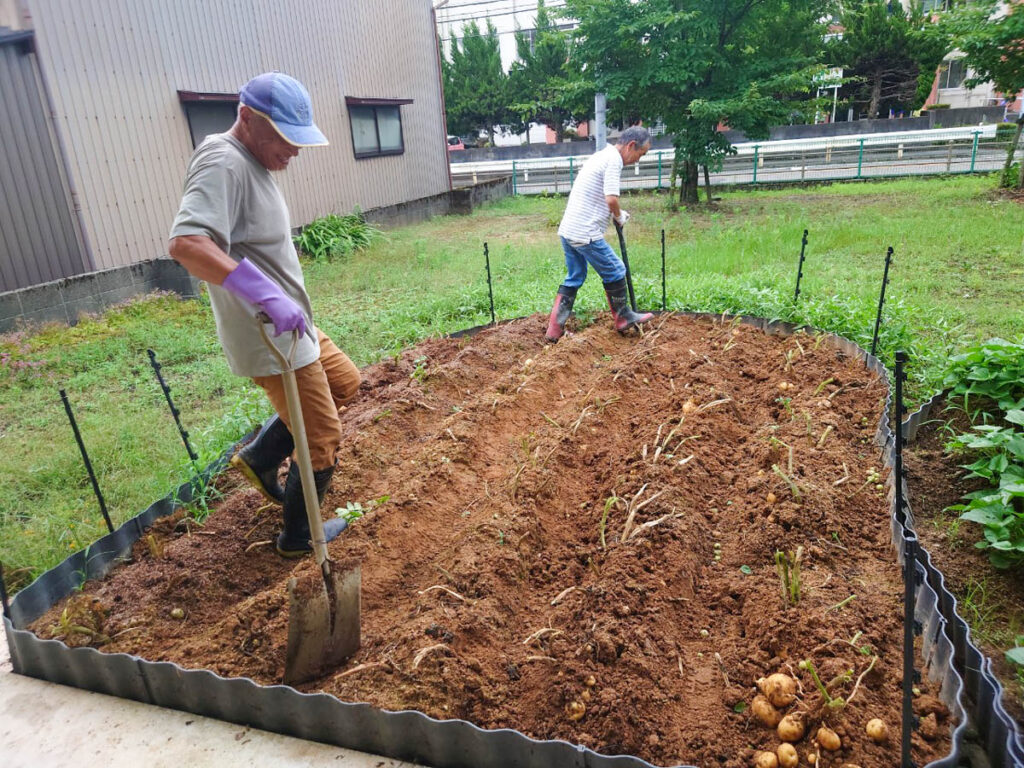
<point x="956" y="279"/>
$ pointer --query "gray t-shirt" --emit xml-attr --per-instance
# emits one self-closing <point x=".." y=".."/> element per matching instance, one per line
<point x="232" y="199"/>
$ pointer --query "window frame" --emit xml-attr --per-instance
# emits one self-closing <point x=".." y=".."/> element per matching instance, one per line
<point x="373" y="104"/>
<point x="189" y="98"/>
<point x="944" y="72"/>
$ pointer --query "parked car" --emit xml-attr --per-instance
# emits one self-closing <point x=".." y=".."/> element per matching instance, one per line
<point x="455" y="144"/>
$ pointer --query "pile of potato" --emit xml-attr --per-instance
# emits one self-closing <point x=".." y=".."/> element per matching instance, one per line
<point x="778" y="691"/>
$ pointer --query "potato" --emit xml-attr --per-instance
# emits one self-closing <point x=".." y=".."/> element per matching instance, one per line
<point x="788" y="758"/>
<point x="765" y="760"/>
<point x="765" y="712"/>
<point x="828" y="739"/>
<point x="779" y="688"/>
<point x="575" y="710"/>
<point x="791" y="727"/>
<point x="877" y="730"/>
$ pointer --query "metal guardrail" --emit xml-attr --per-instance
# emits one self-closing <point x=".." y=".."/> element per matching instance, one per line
<point x="910" y="153"/>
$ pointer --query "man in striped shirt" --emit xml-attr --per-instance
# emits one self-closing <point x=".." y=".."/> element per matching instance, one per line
<point x="593" y="199"/>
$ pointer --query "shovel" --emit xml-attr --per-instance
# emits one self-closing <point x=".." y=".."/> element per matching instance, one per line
<point x="323" y="610"/>
<point x="625" y="261"/>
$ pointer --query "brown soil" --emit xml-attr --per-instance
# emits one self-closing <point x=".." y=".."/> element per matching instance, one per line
<point x="488" y="593"/>
<point x="990" y="600"/>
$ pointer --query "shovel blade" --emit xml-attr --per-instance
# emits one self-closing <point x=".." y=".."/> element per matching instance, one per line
<point x="323" y="622"/>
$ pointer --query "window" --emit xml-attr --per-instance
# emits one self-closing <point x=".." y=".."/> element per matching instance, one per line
<point x="208" y="113"/>
<point x="952" y="73"/>
<point x="376" y="126"/>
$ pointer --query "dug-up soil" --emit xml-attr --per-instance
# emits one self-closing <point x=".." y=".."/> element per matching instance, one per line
<point x="491" y="590"/>
<point x="990" y="600"/>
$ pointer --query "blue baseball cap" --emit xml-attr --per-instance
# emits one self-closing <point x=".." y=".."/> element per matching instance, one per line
<point x="285" y="102"/>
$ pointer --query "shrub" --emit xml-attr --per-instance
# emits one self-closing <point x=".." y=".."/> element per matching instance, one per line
<point x="1005" y="131"/>
<point x="1009" y="176"/>
<point x="331" y="236"/>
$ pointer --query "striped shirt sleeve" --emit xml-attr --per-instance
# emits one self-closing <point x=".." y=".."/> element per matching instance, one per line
<point x="612" y="175"/>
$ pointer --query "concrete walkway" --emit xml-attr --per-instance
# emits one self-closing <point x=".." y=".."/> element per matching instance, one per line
<point x="43" y="724"/>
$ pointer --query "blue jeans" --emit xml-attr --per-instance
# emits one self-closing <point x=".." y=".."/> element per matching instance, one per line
<point x="601" y="257"/>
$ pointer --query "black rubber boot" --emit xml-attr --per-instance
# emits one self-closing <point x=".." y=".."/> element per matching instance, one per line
<point x="560" y="312"/>
<point x="294" y="540"/>
<point x="623" y="315"/>
<point x="260" y="460"/>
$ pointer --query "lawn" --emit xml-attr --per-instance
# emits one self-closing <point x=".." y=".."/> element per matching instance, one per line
<point x="957" y="277"/>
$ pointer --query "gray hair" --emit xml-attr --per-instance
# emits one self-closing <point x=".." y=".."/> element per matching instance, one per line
<point x="636" y="133"/>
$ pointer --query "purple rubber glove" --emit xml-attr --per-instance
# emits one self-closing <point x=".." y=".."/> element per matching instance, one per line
<point x="248" y="282"/>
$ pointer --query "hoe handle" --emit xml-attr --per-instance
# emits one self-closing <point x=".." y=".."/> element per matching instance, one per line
<point x="625" y="262"/>
<point x="298" y="430"/>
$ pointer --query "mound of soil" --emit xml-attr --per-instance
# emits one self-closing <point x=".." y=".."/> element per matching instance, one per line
<point x="576" y="541"/>
<point x="990" y="600"/>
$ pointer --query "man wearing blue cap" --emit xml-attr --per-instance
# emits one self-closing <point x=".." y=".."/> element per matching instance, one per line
<point x="233" y="231"/>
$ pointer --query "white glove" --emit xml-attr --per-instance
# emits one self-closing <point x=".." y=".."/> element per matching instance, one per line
<point x="622" y="218"/>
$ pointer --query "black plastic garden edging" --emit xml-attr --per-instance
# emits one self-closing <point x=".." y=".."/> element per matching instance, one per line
<point x="405" y="735"/>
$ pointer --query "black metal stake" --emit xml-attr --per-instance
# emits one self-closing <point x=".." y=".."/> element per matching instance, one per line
<point x="85" y="458"/>
<point x="800" y="267"/>
<point x="909" y="584"/>
<point x="664" y="302"/>
<point x="490" y="290"/>
<point x="625" y="261"/>
<point x="170" y="403"/>
<point x="901" y="376"/>
<point x="881" y="300"/>
<point x="3" y="593"/>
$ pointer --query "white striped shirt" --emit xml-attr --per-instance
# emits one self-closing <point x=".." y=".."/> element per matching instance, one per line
<point x="586" y="214"/>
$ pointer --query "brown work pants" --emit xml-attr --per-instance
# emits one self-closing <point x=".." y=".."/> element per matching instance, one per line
<point x="325" y="385"/>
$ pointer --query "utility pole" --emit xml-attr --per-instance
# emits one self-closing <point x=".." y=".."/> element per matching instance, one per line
<point x="600" y="128"/>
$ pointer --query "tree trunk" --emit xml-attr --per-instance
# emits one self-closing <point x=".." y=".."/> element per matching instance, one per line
<point x="688" y="184"/>
<point x="707" y="185"/>
<point x="876" y="98"/>
<point x="1009" y="155"/>
<point x="490" y="135"/>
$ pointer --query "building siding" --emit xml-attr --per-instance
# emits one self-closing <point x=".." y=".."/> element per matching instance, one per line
<point x="114" y="68"/>
<point x="39" y="240"/>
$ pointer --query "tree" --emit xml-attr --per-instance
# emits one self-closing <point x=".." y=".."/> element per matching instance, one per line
<point x="475" y="84"/>
<point x="889" y="56"/>
<point x="546" y="89"/>
<point x="696" y="64"/>
<point x="993" y="47"/>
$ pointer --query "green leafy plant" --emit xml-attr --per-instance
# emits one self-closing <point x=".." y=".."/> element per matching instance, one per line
<point x="352" y="510"/>
<point x="989" y="379"/>
<point x="332" y="236"/>
<point x="1016" y="654"/>
<point x="999" y="509"/>
<point x="992" y="372"/>
<point x="419" y="371"/>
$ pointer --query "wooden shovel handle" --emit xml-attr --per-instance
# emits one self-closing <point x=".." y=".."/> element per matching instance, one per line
<point x="298" y="430"/>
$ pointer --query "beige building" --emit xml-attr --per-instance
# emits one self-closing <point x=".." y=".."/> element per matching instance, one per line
<point x="104" y="101"/>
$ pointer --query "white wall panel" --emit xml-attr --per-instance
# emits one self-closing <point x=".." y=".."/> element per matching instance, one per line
<point x="114" y="68"/>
